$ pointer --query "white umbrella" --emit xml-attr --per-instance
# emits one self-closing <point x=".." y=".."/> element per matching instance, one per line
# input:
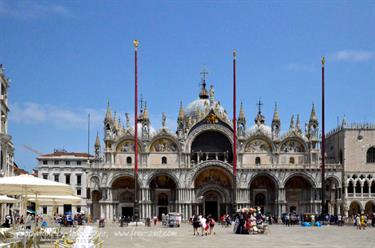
<point x="7" y="199"/>
<point x="51" y="200"/>
<point x="27" y="184"/>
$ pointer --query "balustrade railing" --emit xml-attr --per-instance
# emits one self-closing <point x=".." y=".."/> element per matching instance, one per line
<point x="198" y="157"/>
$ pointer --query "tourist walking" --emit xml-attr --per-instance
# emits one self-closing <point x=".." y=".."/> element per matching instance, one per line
<point x="363" y="221"/>
<point x="195" y="225"/>
<point x="155" y="220"/>
<point x="203" y="223"/>
<point x="339" y="220"/>
<point x="358" y="221"/>
<point x="211" y="223"/>
<point x="287" y="220"/>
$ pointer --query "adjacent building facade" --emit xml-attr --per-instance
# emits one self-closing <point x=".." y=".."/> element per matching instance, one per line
<point x="353" y="146"/>
<point x="66" y="167"/>
<point x="6" y="144"/>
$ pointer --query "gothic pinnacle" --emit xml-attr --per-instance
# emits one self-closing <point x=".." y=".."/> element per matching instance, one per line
<point x="181" y="114"/>
<point x="276" y="116"/>
<point x="145" y="112"/>
<point x="115" y="123"/>
<point x="313" y="114"/>
<point x="108" y="114"/>
<point x="291" y="126"/>
<point x="242" y="113"/>
<point x="97" y="141"/>
<point x="298" y="124"/>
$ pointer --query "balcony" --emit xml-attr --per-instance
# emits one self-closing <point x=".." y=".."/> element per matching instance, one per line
<point x="199" y="157"/>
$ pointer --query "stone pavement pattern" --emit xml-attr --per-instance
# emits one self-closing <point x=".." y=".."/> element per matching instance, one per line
<point x="278" y="236"/>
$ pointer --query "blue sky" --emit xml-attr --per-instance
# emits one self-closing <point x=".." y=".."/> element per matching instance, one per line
<point x="66" y="58"/>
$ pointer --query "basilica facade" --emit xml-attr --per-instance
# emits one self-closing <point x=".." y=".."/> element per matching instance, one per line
<point x="190" y="170"/>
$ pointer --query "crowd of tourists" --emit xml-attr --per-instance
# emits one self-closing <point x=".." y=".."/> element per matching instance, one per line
<point x="359" y="220"/>
<point x="203" y="225"/>
<point x="249" y="221"/>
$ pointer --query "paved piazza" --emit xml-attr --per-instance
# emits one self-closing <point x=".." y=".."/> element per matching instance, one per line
<point x="278" y="236"/>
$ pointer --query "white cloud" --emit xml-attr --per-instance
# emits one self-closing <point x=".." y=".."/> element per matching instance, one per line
<point x="31" y="9"/>
<point x="32" y="113"/>
<point x="58" y="117"/>
<point x="300" y="67"/>
<point x="352" y="55"/>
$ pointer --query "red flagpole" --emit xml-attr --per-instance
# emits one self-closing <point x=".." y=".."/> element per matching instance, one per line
<point x="323" y="142"/>
<point x="136" y="106"/>
<point x="234" y="117"/>
<point x="135" y="209"/>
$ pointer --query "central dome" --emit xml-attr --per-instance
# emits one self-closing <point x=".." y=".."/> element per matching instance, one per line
<point x="201" y="107"/>
<point x="206" y="102"/>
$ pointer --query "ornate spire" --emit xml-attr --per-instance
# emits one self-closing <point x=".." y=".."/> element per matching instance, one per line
<point x="298" y="124"/>
<point x="115" y="123"/>
<point x="181" y="114"/>
<point x="97" y="141"/>
<point x="276" y="116"/>
<point x="259" y="118"/>
<point x="313" y="114"/>
<point x="291" y="126"/>
<point x="203" y="94"/>
<point x="241" y="124"/>
<point x="120" y="125"/>
<point x="242" y="113"/>
<point x="276" y="123"/>
<point x="145" y="113"/>
<point x="108" y="114"/>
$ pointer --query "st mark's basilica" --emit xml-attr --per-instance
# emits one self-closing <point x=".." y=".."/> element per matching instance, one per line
<point x="189" y="170"/>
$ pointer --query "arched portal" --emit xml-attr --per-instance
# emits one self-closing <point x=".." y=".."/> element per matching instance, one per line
<point x="332" y="194"/>
<point x="213" y="188"/>
<point x="163" y="195"/>
<point x="211" y="145"/>
<point x="354" y="208"/>
<point x="298" y="195"/>
<point x="263" y="194"/>
<point x="370" y="208"/>
<point x="96" y="196"/>
<point x="123" y="194"/>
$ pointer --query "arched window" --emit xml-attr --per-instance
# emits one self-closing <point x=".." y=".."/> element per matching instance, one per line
<point x="358" y="187"/>
<point x="163" y="160"/>
<point x="291" y="160"/>
<point x="365" y="187"/>
<point x="350" y="187"/>
<point x="129" y="160"/>
<point x="373" y="187"/>
<point x="371" y="155"/>
<point x="257" y="161"/>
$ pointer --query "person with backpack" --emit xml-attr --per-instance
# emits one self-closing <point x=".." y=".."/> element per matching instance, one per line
<point x="195" y="224"/>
